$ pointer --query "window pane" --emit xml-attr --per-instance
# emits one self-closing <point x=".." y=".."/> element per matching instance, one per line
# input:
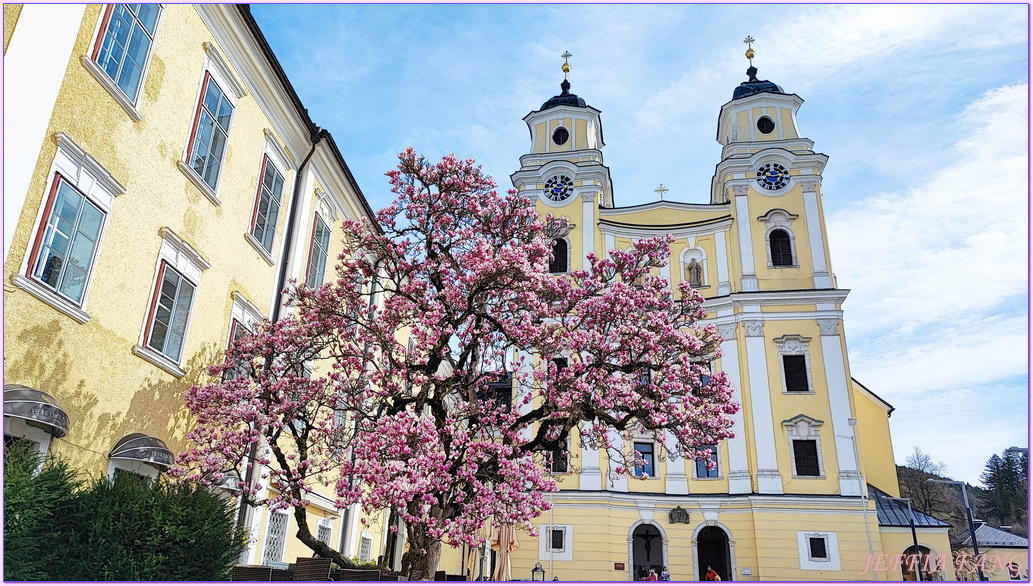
<point x="796" y="373"/>
<point x="68" y="243"/>
<point x="73" y="282"/>
<point x="806" y="453"/>
<point x="557" y="540"/>
<point x="148" y="14"/>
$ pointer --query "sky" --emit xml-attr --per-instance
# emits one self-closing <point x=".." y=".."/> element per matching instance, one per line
<point x="923" y="111"/>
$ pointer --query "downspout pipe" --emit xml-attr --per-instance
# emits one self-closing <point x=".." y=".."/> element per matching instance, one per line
<point x="317" y="135"/>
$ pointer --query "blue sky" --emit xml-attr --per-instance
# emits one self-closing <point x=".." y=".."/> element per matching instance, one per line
<point x="922" y="109"/>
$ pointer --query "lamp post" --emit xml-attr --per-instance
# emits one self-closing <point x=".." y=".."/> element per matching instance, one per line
<point x="864" y="495"/>
<point x="971" y="524"/>
<point x="914" y="533"/>
<point x="538" y="573"/>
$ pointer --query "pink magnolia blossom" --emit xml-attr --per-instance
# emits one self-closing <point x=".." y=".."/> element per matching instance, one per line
<point x="424" y="425"/>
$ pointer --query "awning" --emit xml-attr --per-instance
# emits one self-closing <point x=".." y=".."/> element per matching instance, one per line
<point x="229" y="481"/>
<point x="143" y="448"/>
<point x="36" y="407"/>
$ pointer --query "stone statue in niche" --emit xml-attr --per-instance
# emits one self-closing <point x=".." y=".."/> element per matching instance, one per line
<point x="694" y="273"/>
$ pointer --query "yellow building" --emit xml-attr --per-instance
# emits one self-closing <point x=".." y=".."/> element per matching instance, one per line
<point x="162" y="183"/>
<point x="791" y="496"/>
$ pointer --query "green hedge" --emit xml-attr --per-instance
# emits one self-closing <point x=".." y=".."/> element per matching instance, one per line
<point x="55" y="529"/>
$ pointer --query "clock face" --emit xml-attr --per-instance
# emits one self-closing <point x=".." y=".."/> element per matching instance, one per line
<point x="559" y="188"/>
<point x="772" y="176"/>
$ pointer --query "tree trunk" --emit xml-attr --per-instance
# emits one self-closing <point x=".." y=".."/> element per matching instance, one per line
<point x="425" y="553"/>
<point x="318" y="547"/>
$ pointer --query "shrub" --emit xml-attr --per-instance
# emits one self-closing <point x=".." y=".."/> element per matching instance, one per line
<point x="35" y="508"/>
<point x="126" y="529"/>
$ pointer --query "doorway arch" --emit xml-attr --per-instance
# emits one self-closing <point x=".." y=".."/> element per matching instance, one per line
<point x="712" y="545"/>
<point x="647" y="547"/>
<point x="927" y="561"/>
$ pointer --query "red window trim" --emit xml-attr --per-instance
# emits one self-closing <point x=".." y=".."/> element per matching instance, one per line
<point x="197" y="117"/>
<point x="258" y="195"/>
<point x="154" y="303"/>
<point x="51" y="198"/>
<point x="103" y="31"/>
<point x="234" y="324"/>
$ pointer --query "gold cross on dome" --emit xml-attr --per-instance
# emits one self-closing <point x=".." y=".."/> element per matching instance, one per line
<point x="661" y="190"/>
<point x="566" y="64"/>
<point x="749" y="48"/>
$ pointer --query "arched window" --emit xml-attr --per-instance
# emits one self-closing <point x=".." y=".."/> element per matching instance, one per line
<point x="560" y="254"/>
<point x="781" y="249"/>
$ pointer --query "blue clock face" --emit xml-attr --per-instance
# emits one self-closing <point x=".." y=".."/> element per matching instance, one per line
<point x="772" y="176"/>
<point x="558" y="188"/>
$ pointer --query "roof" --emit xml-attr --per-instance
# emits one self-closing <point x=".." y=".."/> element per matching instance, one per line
<point x="564" y="99"/>
<point x="893" y="512"/>
<point x="991" y="536"/>
<point x="755" y="86"/>
<point x="890" y="408"/>
<point x="244" y="10"/>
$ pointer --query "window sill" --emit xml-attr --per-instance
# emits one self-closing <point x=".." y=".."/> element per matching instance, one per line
<point x="52" y="299"/>
<point x="115" y="91"/>
<point x="159" y="361"/>
<point x="771" y="266"/>
<point x="196" y="180"/>
<point x="708" y="478"/>
<point x="809" y="392"/>
<point x="822" y="477"/>
<point x="266" y="256"/>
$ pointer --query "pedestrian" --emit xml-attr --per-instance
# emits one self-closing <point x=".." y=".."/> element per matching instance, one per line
<point x="665" y="576"/>
<point x="652" y="575"/>
<point x="712" y="575"/>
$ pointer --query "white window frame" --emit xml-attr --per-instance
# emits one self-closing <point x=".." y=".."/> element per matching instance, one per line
<point x="795" y="345"/>
<point x="545" y="549"/>
<point x="90" y="178"/>
<point x="804" y="428"/>
<point x="278" y="555"/>
<point x="719" y="469"/>
<point x="366" y="543"/>
<point x="318" y="218"/>
<point x="220" y="72"/>
<point x="131" y="106"/>
<point x="272" y="152"/>
<point x="19" y="428"/>
<point x="149" y="472"/>
<point x="189" y="263"/>
<point x="325" y="524"/>
<point x="831" y="563"/>
<point x="656" y="459"/>
<point x="779" y="219"/>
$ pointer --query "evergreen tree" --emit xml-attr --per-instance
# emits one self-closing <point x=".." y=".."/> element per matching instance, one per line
<point x="1001" y="478"/>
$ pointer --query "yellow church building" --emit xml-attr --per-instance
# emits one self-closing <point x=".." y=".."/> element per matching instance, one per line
<point x="162" y="183"/>
<point x="805" y="489"/>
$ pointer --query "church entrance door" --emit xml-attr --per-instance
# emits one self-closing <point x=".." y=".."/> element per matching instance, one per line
<point x="712" y="550"/>
<point x="648" y="551"/>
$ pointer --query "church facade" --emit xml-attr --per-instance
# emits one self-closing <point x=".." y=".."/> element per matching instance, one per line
<point x="790" y="497"/>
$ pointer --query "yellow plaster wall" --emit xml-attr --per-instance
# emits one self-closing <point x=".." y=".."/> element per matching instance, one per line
<point x="105" y="389"/>
<point x="11" y="14"/>
<point x="580" y="134"/>
<point x="788" y="128"/>
<point x="874" y="445"/>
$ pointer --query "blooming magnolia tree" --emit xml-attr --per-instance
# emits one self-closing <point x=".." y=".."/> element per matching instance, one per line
<point x="442" y="401"/>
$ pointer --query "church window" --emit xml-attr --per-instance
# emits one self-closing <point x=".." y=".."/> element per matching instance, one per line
<point x="795" y="367"/>
<point x="781" y="249"/>
<point x="645" y="452"/>
<point x="560" y="262"/>
<point x="765" y="125"/>
<point x="123" y="50"/>
<point x="795" y="360"/>
<point x="560" y="136"/>
<point x="817" y="548"/>
<point x="559" y="461"/>
<point x="556" y="539"/>
<point x="703" y="464"/>
<point x="806" y="453"/>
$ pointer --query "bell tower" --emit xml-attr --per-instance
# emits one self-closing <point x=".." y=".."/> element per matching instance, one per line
<point x="772" y="176"/>
<point x="565" y="160"/>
